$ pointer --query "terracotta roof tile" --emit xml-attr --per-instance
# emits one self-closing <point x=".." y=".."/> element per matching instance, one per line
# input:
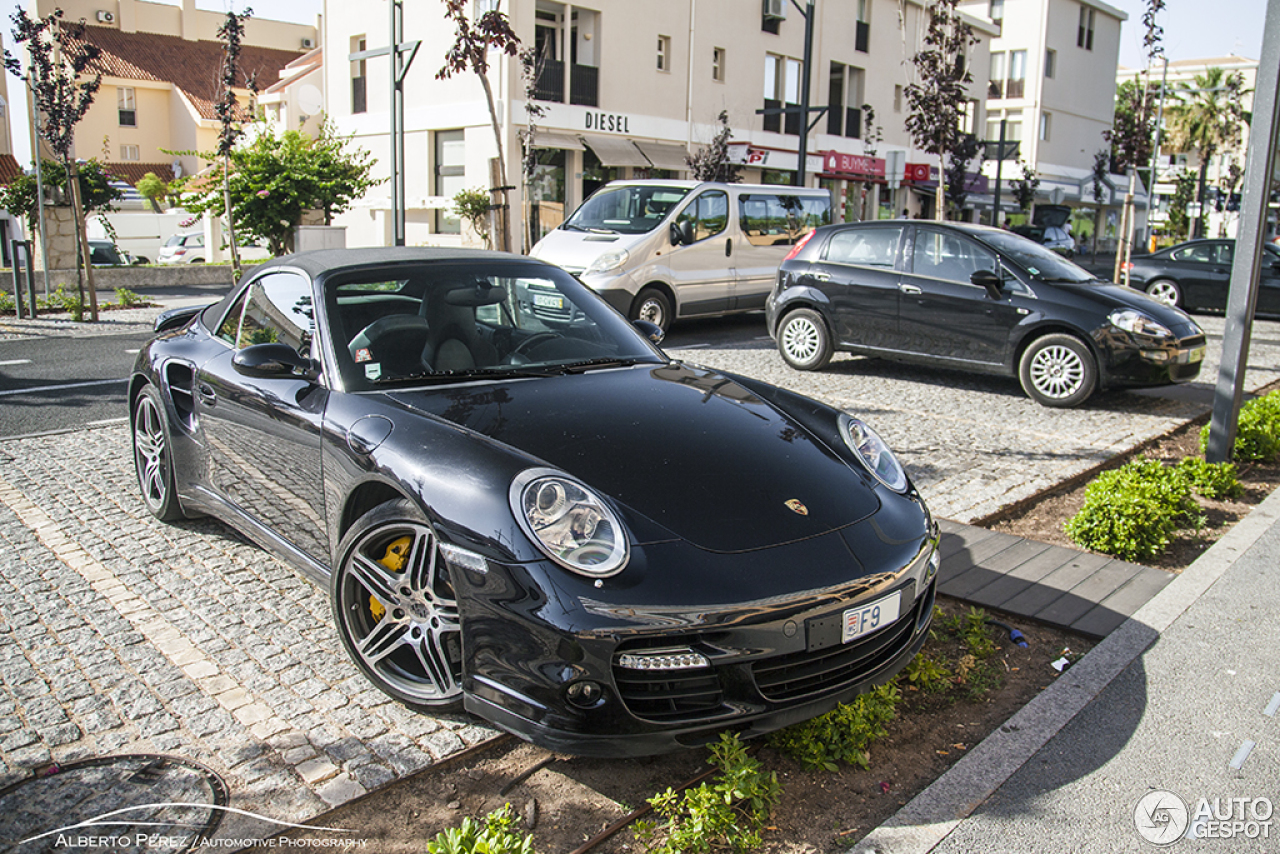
<point x="131" y="172"/>
<point x="9" y="168"/>
<point x="191" y="66"/>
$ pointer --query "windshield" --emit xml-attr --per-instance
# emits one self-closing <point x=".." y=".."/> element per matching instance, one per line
<point x="1042" y="263"/>
<point x="451" y="322"/>
<point x="625" y="210"/>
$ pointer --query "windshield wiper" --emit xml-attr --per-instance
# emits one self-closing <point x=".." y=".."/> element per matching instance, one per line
<point x="591" y="364"/>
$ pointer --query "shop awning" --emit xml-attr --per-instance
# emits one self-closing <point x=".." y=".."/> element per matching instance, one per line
<point x="550" y="139"/>
<point x="613" y="151"/>
<point x="664" y="156"/>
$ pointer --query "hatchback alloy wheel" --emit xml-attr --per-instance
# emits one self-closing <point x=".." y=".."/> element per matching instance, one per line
<point x="1058" y="370"/>
<point x="803" y="340"/>
<point x="397" y="611"/>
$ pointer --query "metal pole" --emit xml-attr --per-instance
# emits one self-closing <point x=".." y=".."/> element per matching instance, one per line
<point x="1243" y="295"/>
<point x="17" y="275"/>
<point x="31" y="279"/>
<point x="1155" y="152"/>
<point x="804" y="95"/>
<point x="995" y="214"/>
<point x="397" y="123"/>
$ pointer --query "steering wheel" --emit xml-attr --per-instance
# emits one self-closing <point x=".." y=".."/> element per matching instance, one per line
<point x="395" y="323"/>
<point x="536" y="338"/>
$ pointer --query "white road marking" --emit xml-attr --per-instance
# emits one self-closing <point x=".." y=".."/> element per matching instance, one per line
<point x="43" y="388"/>
<point x="7" y="362"/>
<point x="1273" y="706"/>
<point x="1242" y="754"/>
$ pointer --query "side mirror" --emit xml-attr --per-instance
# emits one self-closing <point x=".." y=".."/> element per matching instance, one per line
<point x="275" y="361"/>
<point x="649" y="330"/>
<point x="990" y="280"/>
<point x="682" y="232"/>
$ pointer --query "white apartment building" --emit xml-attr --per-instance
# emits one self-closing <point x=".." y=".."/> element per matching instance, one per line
<point x="1177" y="77"/>
<point x="628" y="90"/>
<point x="1050" y="80"/>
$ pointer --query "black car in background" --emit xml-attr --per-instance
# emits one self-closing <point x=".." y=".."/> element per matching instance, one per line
<point x="975" y="298"/>
<point x="523" y="508"/>
<point x="1196" y="275"/>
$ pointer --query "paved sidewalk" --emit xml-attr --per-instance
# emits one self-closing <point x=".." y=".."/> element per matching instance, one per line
<point x="1179" y="704"/>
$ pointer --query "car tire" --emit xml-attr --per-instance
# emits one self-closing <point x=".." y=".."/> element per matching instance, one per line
<point x="153" y="455"/>
<point x="804" y="340"/>
<point x="395" y="608"/>
<point x="652" y="305"/>
<point x="1166" y="291"/>
<point x="1058" y="371"/>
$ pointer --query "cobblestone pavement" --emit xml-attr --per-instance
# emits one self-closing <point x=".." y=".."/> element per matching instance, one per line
<point x="119" y="634"/>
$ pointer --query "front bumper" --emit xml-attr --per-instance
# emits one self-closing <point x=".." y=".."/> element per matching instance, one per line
<point x="770" y="664"/>
<point x="1137" y="363"/>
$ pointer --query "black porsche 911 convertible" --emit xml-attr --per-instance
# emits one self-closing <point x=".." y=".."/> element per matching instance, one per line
<point x="523" y="508"/>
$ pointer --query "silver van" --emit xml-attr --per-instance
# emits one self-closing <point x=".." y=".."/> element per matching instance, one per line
<point x="661" y="250"/>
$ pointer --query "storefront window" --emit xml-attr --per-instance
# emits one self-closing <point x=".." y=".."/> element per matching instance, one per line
<point x="594" y="175"/>
<point x="777" y="176"/>
<point x="546" y="190"/>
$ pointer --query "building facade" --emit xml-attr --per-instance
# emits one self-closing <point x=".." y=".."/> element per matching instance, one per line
<point x="628" y="90"/>
<point x="1050" y="83"/>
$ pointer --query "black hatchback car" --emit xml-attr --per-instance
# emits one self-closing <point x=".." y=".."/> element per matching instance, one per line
<point x="1196" y="275"/>
<point x="975" y="298"/>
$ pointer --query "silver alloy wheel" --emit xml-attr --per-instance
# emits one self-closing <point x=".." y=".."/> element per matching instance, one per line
<point x="652" y="310"/>
<point x="801" y="338"/>
<point x="1057" y="372"/>
<point x="402" y="623"/>
<point x="1165" y="291"/>
<point x="151" y="453"/>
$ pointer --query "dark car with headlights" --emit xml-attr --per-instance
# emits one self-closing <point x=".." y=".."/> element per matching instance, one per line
<point x="979" y="299"/>
<point x="523" y="508"/>
<point x="1196" y="275"/>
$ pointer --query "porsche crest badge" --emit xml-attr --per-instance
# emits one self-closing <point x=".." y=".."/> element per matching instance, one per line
<point x="795" y="506"/>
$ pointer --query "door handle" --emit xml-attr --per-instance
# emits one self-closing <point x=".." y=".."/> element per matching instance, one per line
<point x="728" y="246"/>
<point x="821" y="277"/>
<point x="910" y="290"/>
<point x="206" y="394"/>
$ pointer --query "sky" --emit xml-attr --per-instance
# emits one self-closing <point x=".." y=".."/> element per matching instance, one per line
<point x="1193" y="29"/>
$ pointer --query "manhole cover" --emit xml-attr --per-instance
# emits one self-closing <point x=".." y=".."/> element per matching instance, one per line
<point x="135" y="803"/>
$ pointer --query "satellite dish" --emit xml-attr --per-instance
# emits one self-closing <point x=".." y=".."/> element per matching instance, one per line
<point x="310" y="99"/>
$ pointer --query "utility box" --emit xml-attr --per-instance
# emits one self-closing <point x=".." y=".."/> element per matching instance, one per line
<point x="308" y="237"/>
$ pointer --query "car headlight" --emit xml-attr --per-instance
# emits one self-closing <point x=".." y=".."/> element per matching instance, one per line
<point x="1137" y="323"/>
<point x="872" y="451"/>
<point x="569" y="523"/>
<point x="607" y="261"/>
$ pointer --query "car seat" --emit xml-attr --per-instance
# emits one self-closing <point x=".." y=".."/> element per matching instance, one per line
<point x="453" y="342"/>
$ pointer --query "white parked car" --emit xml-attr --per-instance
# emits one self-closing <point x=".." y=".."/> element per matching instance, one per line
<point x="189" y="249"/>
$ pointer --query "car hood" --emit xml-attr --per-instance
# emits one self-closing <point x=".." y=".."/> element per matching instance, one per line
<point x="575" y="250"/>
<point x="688" y="448"/>
<point x="1110" y="296"/>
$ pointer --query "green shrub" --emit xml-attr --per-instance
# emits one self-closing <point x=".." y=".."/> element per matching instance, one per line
<point x="927" y="674"/>
<point x="1131" y="511"/>
<point x="1212" y="480"/>
<point x="975" y="635"/>
<point x="495" y="836"/>
<point x="1257" y="431"/>
<point x="126" y="298"/>
<point x="842" y="734"/>
<point x="728" y="812"/>
<point x="6" y="302"/>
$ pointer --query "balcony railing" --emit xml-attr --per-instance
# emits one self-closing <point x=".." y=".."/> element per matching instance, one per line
<point x="584" y="85"/>
<point x="1014" y="88"/>
<point x="549" y="84"/>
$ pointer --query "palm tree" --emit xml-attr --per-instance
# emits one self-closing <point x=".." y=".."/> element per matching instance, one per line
<point x="1207" y="119"/>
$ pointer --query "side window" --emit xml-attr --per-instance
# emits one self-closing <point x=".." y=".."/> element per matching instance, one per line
<point x="230" y="328"/>
<point x="866" y="247"/>
<point x="1223" y="253"/>
<point x="1199" y="252"/>
<point x="773" y="219"/>
<point x="709" y="213"/>
<point x="278" y="310"/>
<point x="941" y="255"/>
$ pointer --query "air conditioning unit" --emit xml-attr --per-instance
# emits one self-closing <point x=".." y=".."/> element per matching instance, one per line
<point x="308" y="43"/>
<point x="105" y="17"/>
<point x="775" y="9"/>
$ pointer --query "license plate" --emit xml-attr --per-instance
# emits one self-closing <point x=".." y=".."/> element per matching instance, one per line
<point x="545" y="301"/>
<point x="1196" y="354"/>
<point x="865" y="619"/>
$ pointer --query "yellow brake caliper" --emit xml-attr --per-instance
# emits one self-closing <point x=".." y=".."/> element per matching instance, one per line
<point x="394" y="559"/>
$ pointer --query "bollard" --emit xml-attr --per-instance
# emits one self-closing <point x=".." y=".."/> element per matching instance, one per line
<point x="31" y="280"/>
<point x="17" y="276"/>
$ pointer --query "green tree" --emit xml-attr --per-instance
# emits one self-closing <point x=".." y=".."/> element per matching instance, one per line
<point x="153" y="189"/>
<point x="937" y="98"/>
<point x="712" y="163"/>
<point x="1183" y="194"/>
<point x="1024" y="188"/>
<point x="1207" y="119"/>
<point x="276" y="178"/>
<point x="18" y="197"/>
